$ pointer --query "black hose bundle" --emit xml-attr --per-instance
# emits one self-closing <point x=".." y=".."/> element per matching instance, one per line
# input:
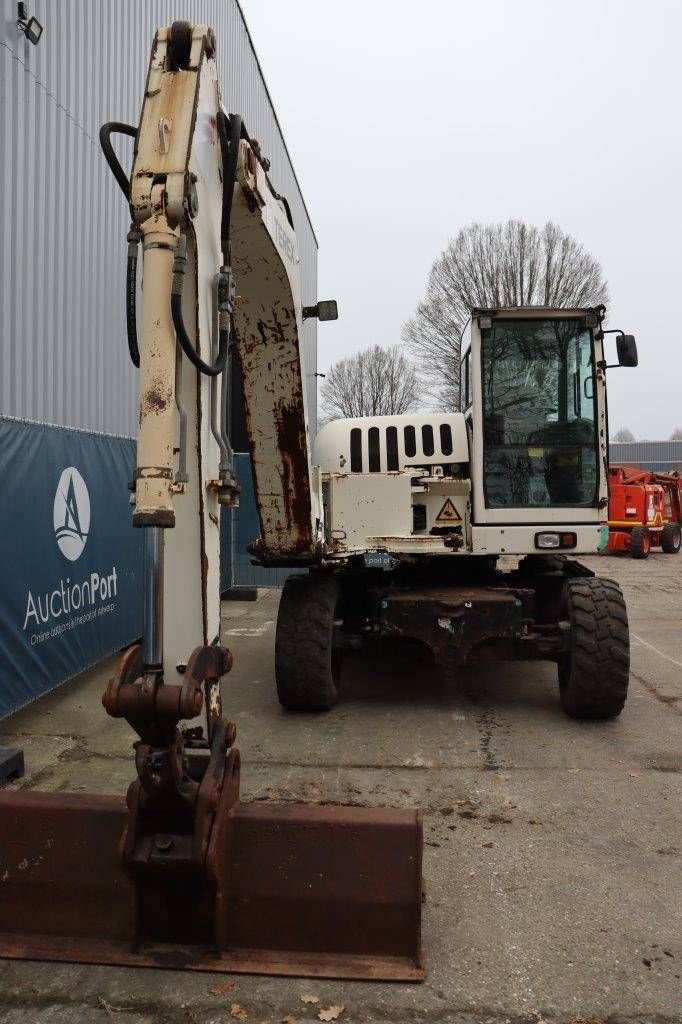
<point x="179" y="324"/>
<point x="229" y="133"/>
<point x="230" y="130"/>
<point x="134" y="236"/>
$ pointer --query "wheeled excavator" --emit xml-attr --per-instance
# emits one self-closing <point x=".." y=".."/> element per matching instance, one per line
<point x="183" y="874"/>
<point x="461" y="529"/>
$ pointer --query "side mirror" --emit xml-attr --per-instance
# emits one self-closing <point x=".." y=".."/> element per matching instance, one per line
<point x="324" y="310"/>
<point x="626" y="346"/>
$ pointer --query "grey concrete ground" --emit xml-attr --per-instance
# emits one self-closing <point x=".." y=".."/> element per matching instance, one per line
<point x="553" y="849"/>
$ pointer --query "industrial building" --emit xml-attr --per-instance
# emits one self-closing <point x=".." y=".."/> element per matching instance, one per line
<point x="656" y="456"/>
<point x="68" y="391"/>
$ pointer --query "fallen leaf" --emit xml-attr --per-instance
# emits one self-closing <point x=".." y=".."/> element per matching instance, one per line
<point x="487" y="846"/>
<point x="635" y="775"/>
<point x="331" y="1013"/>
<point x="447" y="811"/>
<point x="222" y="988"/>
<point x="467" y="814"/>
<point x="288" y="1019"/>
<point x="238" y="1012"/>
<point x="309" y="999"/>
<point x="499" y="819"/>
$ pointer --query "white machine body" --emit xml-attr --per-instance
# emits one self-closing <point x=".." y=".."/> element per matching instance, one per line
<point x="521" y="469"/>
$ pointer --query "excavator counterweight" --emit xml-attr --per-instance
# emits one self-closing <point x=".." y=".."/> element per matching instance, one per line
<point x="182" y="874"/>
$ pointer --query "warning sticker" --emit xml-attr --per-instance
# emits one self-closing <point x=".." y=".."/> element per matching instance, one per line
<point x="448" y="514"/>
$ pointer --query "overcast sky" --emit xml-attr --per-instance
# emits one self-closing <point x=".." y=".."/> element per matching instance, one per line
<point x="406" y="121"/>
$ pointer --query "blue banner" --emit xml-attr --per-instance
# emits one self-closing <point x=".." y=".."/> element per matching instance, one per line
<point x="70" y="591"/>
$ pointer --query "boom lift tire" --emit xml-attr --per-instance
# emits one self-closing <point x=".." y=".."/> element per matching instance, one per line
<point x="640" y="542"/>
<point x="593" y="677"/>
<point x="306" y="665"/>
<point x="671" y="539"/>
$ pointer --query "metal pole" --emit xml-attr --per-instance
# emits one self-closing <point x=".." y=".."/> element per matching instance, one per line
<point x="152" y="644"/>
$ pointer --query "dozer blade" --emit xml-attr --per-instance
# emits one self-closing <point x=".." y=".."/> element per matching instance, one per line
<point x="301" y="890"/>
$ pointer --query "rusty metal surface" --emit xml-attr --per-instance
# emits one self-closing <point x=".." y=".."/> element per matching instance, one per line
<point x="455" y="596"/>
<point x="268" y="335"/>
<point x="339" y="880"/>
<point x="60" y="871"/>
<point x="320" y="891"/>
<point x="454" y="621"/>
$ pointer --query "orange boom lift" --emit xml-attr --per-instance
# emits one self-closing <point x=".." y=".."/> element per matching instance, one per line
<point x="645" y="511"/>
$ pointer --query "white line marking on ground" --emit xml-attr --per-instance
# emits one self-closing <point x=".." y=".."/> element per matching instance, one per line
<point x="647" y="644"/>
<point x="250" y="630"/>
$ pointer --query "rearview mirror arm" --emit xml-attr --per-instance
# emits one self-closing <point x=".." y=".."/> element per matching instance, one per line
<point x="602" y="364"/>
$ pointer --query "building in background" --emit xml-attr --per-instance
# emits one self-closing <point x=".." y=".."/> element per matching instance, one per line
<point x="660" y="456"/>
<point x="68" y="391"/>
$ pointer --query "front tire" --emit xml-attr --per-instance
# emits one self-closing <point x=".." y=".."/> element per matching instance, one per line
<point x="306" y="666"/>
<point x="640" y="542"/>
<point x="594" y="675"/>
<point x="671" y="539"/>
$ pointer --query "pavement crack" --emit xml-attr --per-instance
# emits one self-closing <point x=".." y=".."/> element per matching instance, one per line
<point x="669" y="702"/>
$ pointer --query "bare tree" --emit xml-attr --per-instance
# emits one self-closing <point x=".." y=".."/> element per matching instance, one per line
<point x="624" y="436"/>
<point x="376" y="382"/>
<point x="676" y="434"/>
<point x="488" y="265"/>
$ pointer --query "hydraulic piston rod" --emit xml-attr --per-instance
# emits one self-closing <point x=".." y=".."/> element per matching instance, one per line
<point x="152" y="647"/>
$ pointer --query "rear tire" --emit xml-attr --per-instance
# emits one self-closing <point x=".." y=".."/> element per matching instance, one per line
<point x="306" y="666"/>
<point x="640" y="542"/>
<point x="594" y="676"/>
<point x="671" y="538"/>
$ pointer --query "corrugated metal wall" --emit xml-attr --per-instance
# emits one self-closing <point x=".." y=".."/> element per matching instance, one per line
<point x="662" y="456"/>
<point x="63" y="355"/>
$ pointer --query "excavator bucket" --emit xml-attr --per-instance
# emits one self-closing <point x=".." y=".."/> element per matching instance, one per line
<point x="295" y="889"/>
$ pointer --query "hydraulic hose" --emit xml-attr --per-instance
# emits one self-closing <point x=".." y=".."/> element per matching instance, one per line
<point x="105" y="133"/>
<point x="134" y="237"/>
<point x="179" y="325"/>
<point x="229" y="133"/>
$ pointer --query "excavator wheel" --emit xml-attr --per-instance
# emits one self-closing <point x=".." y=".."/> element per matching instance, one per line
<point x="671" y="539"/>
<point x="640" y="542"/>
<point x="306" y="666"/>
<point x="593" y="677"/>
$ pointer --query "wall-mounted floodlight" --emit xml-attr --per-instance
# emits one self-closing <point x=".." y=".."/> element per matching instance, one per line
<point x="31" y="27"/>
<point x="325" y="310"/>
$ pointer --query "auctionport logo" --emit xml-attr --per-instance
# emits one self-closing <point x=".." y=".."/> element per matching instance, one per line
<point x="71" y="514"/>
<point x="69" y="603"/>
